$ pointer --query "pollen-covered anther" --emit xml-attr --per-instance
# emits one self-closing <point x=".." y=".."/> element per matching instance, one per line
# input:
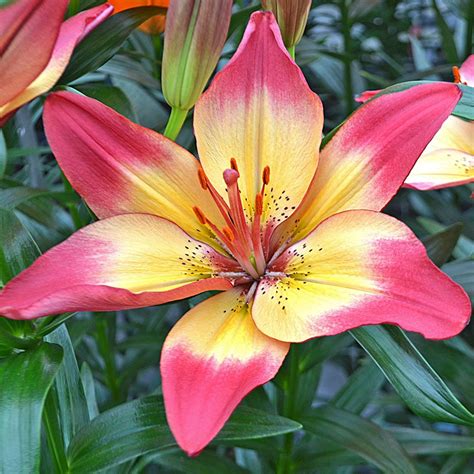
<point x="200" y="215"/>
<point x="266" y="175"/>
<point x="228" y="233"/>
<point x="233" y="164"/>
<point x="202" y="179"/>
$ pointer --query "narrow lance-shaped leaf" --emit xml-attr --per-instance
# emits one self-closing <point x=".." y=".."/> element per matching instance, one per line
<point x="411" y="376"/>
<point x="99" y="46"/>
<point x="360" y="436"/>
<point x="139" y="427"/>
<point x="25" y="380"/>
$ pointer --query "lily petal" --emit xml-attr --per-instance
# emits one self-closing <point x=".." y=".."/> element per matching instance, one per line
<point x="369" y="157"/>
<point x="358" y="268"/>
<point x="120" y="167"/>
<point x="467" y="71"/>
<point x="448" y="160"/>
<point x="126" y="261"/>
<point x="71" y="33"/>
<point x="29" y="30"/>
<point x="211" y="359"/>
<point x="260" y="111"/>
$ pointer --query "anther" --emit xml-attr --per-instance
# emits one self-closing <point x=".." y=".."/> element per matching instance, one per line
<point x="228" y="233"/>
<point x="266" y="175"/>
<point x="233" y="164"/>
<point x="457" y="75"/>
<point x="202" y="179"/>
<point x="200" y="215"/>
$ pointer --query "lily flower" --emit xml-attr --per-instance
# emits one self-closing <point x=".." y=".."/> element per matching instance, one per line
<point x="35" y="47"/>
<point x="294" y="237"/>
<point x="154" y="25"/>
<point x="448" y="160"/>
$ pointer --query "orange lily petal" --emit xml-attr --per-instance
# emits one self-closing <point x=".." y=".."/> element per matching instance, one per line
<point x="72" y="31"/>
<point x="358" y="268"/>
<point x="260" y="111"/>
<point x="211" y="359"/>
<point x="124" y="262"/>
<point x="29" y="30"/>
<point x="155" y="24"/>
<point x="119" y="167"/>
<point x="448" y="160"/>
<point x="369" y="157"/>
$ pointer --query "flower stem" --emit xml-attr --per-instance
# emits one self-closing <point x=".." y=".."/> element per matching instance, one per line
<point x="284" y="465"/>
<point x="291" y="50"/>
<point x="175" y="123"/>
<point x="346" y="32"/>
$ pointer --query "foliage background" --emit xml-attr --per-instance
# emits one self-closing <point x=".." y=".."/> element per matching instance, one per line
<point x="373" y="400"/>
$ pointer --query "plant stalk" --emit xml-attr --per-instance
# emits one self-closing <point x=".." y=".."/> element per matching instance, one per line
<point x="175" y="123"/>
<point x="284" y="465"/>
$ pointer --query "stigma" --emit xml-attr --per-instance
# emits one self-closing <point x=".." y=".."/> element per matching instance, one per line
<point x="245" y="238"/>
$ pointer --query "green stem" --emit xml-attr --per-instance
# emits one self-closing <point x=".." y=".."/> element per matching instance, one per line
<point x="468" y="49"/>
<point x="53" y="433"/>
<point x="291" y="50"/>
<point x="284" y="465"/>
<point x="175" y="123"/>
<point x="107" y="353"/>
<point x="346" y="31"/>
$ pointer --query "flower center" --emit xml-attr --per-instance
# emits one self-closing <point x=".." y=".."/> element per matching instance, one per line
<point x="247" y="242"/>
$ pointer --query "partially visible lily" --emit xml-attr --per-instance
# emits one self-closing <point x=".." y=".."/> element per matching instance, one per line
<point x="448" y="160"/>
<point x="294" y="238"/>
<point x="154" y="25"/>
<point x="291" y="16"/>
<point x="196" y="31"/>
<point x="35" y="47"/>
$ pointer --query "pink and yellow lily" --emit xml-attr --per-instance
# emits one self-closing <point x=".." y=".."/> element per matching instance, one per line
<point x="292" y="236"/>
<point x="448" y="160"/>
<point x="35" y="47"/>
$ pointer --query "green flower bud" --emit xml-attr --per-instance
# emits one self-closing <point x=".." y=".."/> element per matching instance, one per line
<point x="195" y="34"/>
<point x="291" y="16"/>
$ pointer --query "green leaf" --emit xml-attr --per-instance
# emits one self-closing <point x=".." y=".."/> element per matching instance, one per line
<point x="360" y="436"/>
<point x="462" y="272"/>
<point x="18" y="250"/>
<point x="139" y="427"/>
<point x="250" y="423"/>
<point x="420" y="442"/>
<point x="99" y="46"/>
<point x="120" y="434"/>
<point x="322" y="348"/>
<point x="109" y="95"/>
<point x="411" y="376"/>
<point x="89" y="389"/>
<point x="25" y="380"/>
<point x="10" y="198"/>
<point x="440" y="246"/>
<point x="206" y="463"/>
<point x="360" y="388"/>
<point x="71" y="400"/>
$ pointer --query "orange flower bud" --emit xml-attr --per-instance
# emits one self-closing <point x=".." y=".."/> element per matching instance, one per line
<point x="154" y="25"/>
<point x="196" y="31"/>
<point x="291" y="16"/>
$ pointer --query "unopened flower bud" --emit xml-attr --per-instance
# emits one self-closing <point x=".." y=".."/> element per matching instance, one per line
<point x="291" y="16"/>
<point x="196" y="31"/>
